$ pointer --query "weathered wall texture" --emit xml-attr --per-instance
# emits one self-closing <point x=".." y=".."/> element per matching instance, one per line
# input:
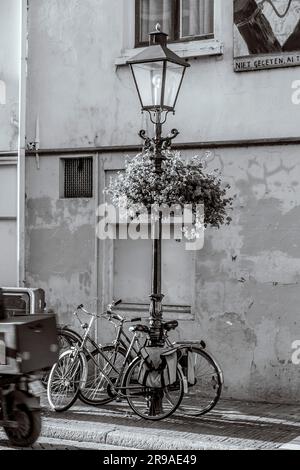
<point x="84" y="100"/>
<point x="9" y="127"/>
<point x="9" y="73"/>
<point x="60" y="240"/>
<point x="247" y="276"/>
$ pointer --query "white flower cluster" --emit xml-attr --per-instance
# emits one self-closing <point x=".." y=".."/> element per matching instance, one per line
<point x="181" y="182"/>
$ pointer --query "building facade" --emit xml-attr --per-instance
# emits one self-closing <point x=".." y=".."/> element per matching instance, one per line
<point x="241" y="291"/>
<point x="9" y="113"/>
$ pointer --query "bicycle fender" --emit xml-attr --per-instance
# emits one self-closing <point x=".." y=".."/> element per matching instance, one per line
<point x="218" y="367"/>
<point x="83" y="361"/>
<point x="187" y="344"/>
<point x="84" y="370"/>
<point x="71" y="333"/>
<point x="181" y="344"/>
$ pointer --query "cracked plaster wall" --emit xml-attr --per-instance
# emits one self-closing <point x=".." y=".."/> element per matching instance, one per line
<point x="82" y="99"/>
<point x="60" y="242"/>
<point x="247" y="275"/>
<point x="9" y="73"/>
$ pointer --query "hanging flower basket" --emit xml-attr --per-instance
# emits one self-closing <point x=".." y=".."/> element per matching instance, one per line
<point x="180" y="182"/>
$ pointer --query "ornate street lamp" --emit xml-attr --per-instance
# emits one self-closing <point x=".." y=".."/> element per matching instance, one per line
<point x="158" y="73"/>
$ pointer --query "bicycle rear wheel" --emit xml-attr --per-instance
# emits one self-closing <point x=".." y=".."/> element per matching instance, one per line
<point x="151" y="403"/>
<point x="97" y="390"/>
<point x="65" y="379"/>
<point x="202" y="395"/>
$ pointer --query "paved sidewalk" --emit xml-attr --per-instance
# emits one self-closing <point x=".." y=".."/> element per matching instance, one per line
<point x="48" y="443"/>
<point x="232" y="425"/>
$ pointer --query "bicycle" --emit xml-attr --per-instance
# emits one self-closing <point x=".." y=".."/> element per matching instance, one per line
<point x="69" y="376"/>
<point x="200" y="396"/>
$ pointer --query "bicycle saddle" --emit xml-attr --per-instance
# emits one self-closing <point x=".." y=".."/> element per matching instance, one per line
<point x="170" y="325"/>
<point x="140" y="328"/>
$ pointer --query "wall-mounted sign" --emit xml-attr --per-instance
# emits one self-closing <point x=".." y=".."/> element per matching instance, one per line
<point x="2" y="92"/>
<point x="266" y="34"/>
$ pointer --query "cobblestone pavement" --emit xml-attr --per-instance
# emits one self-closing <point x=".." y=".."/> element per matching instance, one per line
<point x="232" y="425"/>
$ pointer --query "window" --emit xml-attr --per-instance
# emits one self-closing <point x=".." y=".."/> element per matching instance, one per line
<point x="78" y="177"/>
<point x="182" y="20"/>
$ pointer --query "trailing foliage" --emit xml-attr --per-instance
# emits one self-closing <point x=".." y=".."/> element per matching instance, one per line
<point x="181" y="183"/>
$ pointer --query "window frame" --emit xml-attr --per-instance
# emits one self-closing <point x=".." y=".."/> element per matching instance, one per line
<point x="176" y="22"/>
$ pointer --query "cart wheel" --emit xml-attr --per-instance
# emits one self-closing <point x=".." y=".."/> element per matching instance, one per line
<point x="29" y="426"/>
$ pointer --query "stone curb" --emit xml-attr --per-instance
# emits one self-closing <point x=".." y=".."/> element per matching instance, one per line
<point x="129" y="437"/>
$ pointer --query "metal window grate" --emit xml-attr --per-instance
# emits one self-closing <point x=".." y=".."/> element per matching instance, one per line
<point x="78" y="177"/>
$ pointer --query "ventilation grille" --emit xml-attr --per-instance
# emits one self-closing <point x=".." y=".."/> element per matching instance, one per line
<point x="78" y="177"/>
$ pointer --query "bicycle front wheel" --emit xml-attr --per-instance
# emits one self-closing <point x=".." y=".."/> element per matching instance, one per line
<point x="66" y="339"/>
<point x="151" y="403"/>
<point x="101" y="367"/>
<point x="65" y="379"/>
<point x="204" y="392"/>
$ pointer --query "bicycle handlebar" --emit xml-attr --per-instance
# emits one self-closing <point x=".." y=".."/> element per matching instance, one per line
<point x="109" y="312"/>
<point x="113" y="304"/>
<point x="115" y="316"/>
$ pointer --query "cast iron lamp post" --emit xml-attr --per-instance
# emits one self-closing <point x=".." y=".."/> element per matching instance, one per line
<point x="158" y="74"/>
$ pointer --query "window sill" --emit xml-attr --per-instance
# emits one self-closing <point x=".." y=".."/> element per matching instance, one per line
<point x="187" y="50"/>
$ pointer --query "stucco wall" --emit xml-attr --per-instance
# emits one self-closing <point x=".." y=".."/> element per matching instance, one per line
<point x="60" y="238"/>
<point x="9" y="128"/>
<point x="9" y="72"/>
<point x="247" y="275"/>
<point x="84" y="100"/>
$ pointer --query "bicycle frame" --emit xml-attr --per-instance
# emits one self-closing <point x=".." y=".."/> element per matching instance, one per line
<point x="121" y="340"/>
<point x="117" y="387"/>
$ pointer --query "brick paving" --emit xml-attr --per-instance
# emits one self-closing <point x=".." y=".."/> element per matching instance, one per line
<point x="232" y="425"/>
<point x="56" y="444"/>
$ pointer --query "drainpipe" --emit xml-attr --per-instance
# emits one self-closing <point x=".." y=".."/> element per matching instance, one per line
<point x="21" y="147"/>
<point x="98" y="303"/>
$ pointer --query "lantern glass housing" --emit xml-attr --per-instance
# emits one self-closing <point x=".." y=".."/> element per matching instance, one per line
<point x="158" y="73"/>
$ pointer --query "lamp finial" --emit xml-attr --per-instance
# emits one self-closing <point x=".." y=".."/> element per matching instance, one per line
<point x="157" y="36"/>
